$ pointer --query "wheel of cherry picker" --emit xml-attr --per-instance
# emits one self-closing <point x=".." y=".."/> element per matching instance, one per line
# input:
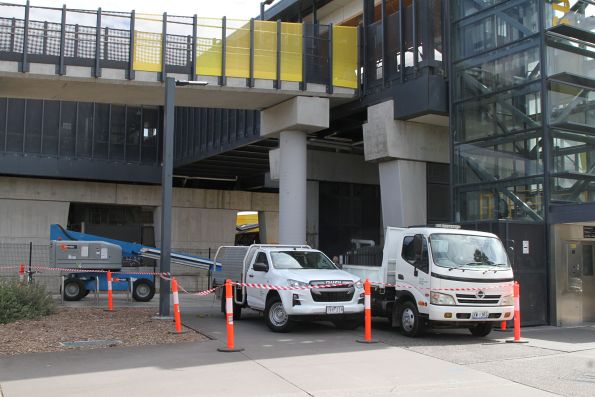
<point x="143" y="290"/>
<point x="74" y="289"/>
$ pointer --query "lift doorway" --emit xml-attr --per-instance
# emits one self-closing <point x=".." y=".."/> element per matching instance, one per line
<point x="574" y="262"/>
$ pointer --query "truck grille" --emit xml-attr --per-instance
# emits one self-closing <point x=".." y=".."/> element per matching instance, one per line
<point x="472" y="299"/>
<point x="332" y="294"/>
<point x="345" y="295"/>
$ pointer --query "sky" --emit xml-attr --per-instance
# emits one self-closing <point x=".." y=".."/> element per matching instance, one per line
<point x="149" y="13"/>
<point x="241" y="9"/>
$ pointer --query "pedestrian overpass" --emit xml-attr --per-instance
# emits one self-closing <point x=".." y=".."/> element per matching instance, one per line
<point x="106" y="56"/>
<point x="74" y="85"/>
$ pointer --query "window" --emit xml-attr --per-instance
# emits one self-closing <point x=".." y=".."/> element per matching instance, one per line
<point x="33" y="126"/>
<point x="84" y="130"/>
<point x="415" y="252"/>
<point x="15" y="124"/>
<point x="51" y="127"/>
<point x="262" y="258"/>
<point x="68" y="129"/>
<point x="117" y="133"/>
<point x="101" y="131"/>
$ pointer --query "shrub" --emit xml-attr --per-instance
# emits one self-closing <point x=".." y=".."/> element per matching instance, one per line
<point x="18" y="301"/>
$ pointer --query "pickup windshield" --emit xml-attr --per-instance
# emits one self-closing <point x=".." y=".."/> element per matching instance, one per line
<point x="464" y="251"/>
<point x="301" y="260"/>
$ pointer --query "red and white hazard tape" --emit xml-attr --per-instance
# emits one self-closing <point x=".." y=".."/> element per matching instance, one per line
<point x="290" y="288"/>
<point x="200" y="293"/>
<point x="498" y="286"/>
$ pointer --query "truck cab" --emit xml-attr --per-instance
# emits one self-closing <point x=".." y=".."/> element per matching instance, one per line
<point x="441" y="277"/>
<point x="281" y="281"/>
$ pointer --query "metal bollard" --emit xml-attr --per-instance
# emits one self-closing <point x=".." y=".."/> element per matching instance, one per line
<point x="110" y="303"/>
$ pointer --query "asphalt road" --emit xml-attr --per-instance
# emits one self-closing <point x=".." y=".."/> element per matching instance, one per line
<point x="315" y="359"/>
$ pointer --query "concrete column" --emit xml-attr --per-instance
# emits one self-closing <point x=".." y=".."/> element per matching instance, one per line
<point x="403" y="193"/>
<point x="292" y="187"/>
<point x="291" y="121"/>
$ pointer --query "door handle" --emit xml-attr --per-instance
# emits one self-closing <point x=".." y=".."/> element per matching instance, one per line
<point x="251" y="275"/>
<point x="415" y="273"/>
<point x="400" y="277"/>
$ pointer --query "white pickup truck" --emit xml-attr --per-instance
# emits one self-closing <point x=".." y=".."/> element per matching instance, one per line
<point x="440" y="277"/>
<point x="341" y="301"/>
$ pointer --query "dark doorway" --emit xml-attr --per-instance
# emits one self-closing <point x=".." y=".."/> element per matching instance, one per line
<point x="529" y="265"/>
<point x="347" y="211"/>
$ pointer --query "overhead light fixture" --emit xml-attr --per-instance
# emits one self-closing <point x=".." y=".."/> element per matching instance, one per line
<point x="191" y="82"/>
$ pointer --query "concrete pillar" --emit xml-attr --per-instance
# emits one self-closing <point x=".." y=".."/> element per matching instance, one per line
<point x="403" y="193"/>
<point x="292" y="187"/>
<point x="291" y="121"/>
<point x="402" y="149"/>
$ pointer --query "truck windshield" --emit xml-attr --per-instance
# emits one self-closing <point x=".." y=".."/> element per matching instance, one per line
<point x="465" y="251"/>
<point x="301" y="260"/>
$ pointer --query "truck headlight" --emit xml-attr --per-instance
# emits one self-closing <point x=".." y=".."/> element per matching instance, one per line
<point x="507" y="300"/>
<point x="296" y="284"/>
<point x="358" y="284"/>
<point x="436" y="298"/>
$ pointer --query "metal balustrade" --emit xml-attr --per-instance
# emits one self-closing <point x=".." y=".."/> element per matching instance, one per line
<point x="250" y="49"/>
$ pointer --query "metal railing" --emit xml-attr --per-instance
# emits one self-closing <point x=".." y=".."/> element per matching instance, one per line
<point x="251" y="49"/>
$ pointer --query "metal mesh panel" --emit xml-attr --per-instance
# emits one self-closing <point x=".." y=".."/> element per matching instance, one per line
<point x="178" y="50"/>
<point x="6" y="34"/>
<point x="115" y="44"/>
<point x="316" y="48"/>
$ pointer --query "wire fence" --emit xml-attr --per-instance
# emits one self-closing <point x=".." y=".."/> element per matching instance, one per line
<point x="12" y="255"/>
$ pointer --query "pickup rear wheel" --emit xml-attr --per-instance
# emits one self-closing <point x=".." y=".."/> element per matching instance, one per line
<point x="276" y="317"/>
<point x="411" y="324"/>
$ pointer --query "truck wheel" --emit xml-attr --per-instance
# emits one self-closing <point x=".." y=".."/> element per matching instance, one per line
<point x="74" y="289"/>
<point x="85" y="293"/>
<point x="411" y="324"/>
<point x="276" y="317"/>
<point x="237" y="309"/>
<point x="143" y="290"/>
<point x="350" y="324"/>
<point x="481" y="329"/>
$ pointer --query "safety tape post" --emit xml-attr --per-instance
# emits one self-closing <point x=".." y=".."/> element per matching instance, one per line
<point x="177" y="319"/>
<point x="229" y="320"/>
<point x="517" y="315"/>
<point x="367" y="314"/>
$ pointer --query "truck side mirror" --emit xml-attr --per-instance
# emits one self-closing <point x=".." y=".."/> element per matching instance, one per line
<point x="260" y="267"/>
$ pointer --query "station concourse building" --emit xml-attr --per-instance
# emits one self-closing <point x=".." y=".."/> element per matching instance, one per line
<point x="330" y="118"/>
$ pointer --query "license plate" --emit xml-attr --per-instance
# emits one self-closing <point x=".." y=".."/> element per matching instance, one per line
<point x="334" y="310"/>
<point x="480" y="315"/>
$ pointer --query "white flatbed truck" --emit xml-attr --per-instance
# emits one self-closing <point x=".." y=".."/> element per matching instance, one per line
<point x="440" y="277"/>
<point x="341" y="301"/>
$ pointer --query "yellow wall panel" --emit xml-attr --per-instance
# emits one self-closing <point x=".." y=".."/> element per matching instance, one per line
<point x="291" y="51"/>
<point x="237" y="53"/>
<point x="265" y="50"/>
<point x="345" y="56"/>
<point x="208" y="57"/>
<point x="147" y="51"/>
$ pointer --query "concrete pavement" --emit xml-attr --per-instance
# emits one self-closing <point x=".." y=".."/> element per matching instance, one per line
<point x="314" y="360"/>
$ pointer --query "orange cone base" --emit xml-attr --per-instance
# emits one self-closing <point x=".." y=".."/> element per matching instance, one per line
<point x="110" y="311"/>
<point x="228" y="350"/>
<point x="178" y="333"/>
<point x="367" y="341"/>
<point x="517" y="341"/>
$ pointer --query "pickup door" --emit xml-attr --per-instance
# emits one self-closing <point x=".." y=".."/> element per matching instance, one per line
<point x="257" y="296"/>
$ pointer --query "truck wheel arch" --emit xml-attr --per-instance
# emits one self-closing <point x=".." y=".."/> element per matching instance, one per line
<point x="272" y="294"/>
<point x="402" y="296"/>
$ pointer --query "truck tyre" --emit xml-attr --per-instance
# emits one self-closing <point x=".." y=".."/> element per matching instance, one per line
<point x="349" y="324"/>
<point x="74" y="289"/>
<point x="481" y="329"/>
<point x="237" y="309"/>
<point x="276" y="317"/>
<point x="143" y="290"/>
<point x="85" y="293"/>
<point x="411" y="323"/>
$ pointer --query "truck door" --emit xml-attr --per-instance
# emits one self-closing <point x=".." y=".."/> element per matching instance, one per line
<point x="413" y="266"/>
<point x="257" y="296"/>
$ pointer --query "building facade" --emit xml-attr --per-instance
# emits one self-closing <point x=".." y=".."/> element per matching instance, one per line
<point x="335" y="117"/>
